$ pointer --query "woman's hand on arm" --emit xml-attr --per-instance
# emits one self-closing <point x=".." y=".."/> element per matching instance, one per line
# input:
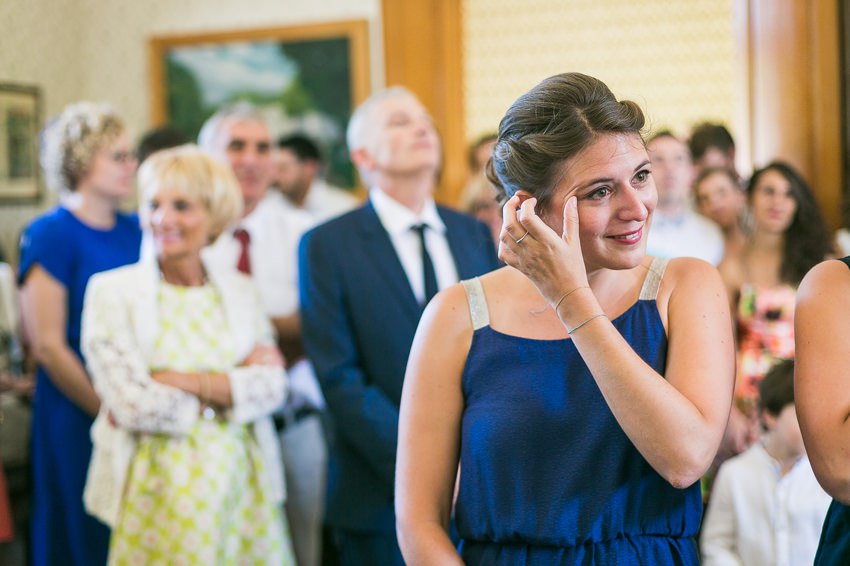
<point x="822" y="395"/>
<point x="676" y="420"/>
<point x="429" y="430"/>
<point x="263" y="355"/>
<point x="213" y="388"/>
<point x="44" y="307"/>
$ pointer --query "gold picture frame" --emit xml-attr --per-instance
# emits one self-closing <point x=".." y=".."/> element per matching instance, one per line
<point x="305" y="78"/>
<point x="20" y="121"/>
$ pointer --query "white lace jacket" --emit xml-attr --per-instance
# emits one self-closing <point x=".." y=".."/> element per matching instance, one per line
<point x="119" y="329"/>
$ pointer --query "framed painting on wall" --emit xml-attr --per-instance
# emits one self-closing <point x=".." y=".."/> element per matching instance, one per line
<point x="20" y="120"/>
<point x="304" y="79"/>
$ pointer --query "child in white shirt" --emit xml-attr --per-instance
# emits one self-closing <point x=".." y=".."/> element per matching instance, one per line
<point x="766" y="505"/>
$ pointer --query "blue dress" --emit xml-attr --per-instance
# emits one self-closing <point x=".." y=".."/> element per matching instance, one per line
<point x="547" y="474"/>
<point x="71" y="252"/>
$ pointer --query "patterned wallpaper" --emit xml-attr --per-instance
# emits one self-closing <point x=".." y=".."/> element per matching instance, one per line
<point x="676" y="58"/>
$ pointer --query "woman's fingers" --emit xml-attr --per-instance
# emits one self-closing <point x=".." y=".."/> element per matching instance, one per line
<point x="570" y="228"/>
<point x="507" y="239"/>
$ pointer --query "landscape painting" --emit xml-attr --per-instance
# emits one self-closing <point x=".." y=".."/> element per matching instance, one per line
<point x="304" y="79"/>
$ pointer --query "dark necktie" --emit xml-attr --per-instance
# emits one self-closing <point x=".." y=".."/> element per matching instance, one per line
<point x="244" y="239"/>
<point x="430" y="276"/>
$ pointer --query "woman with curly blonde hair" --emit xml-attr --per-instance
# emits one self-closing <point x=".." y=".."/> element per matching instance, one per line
<point x="87" y="158"/>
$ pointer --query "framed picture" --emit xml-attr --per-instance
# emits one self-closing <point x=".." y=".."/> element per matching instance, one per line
<point x="20" y="120"/>
<point x="304" y="79"/>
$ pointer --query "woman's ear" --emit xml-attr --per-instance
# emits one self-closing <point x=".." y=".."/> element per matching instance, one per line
<point x="523" y="195"/>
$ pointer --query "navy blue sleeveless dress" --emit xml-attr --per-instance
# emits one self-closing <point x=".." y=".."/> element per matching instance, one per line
<point x="834" y="547"/>
<point x="547" y="474"/>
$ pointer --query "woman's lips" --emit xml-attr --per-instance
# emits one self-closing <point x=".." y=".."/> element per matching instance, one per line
<point x="632" y="237"/>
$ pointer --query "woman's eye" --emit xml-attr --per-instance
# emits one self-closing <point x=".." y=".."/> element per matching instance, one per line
<point x="642" y="176"/>
<point x="182" y="205"/>
<point x="599" y="193"/>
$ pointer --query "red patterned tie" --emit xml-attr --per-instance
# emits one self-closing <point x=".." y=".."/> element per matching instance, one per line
<point x="244" y="239"/>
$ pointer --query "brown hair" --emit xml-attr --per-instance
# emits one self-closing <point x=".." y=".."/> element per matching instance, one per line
<point x="551" y="123"/>
<point x="776" y="389"/>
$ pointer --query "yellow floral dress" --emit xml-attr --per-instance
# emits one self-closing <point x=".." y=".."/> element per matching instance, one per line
<point x="199" y="498"/>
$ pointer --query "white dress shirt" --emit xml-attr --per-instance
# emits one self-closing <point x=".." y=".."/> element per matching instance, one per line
<point x="689" y="235"/>
<point x="398" y="220"/>
<point x="275" y="231"/>
<point x="325" y="201"/>
<point x="758" y="517"/>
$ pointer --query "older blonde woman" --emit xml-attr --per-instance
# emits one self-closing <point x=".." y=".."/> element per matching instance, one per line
<point x="86" y="158"/>
<point x="185" y="467"/>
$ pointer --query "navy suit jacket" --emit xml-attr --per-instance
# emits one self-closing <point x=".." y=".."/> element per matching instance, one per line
<point x="359" y="316"/>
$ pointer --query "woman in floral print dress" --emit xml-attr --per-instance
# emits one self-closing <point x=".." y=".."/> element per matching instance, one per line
<point x="186" y="466"/>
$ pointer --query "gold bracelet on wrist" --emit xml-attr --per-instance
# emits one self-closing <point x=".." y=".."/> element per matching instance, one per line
<point x="567" y="294"/>
<point x="582" y="323"/>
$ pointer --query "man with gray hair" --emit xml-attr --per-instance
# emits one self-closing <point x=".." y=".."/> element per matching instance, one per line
<point x="365" y="278"/>
<point x="264" y="244"/>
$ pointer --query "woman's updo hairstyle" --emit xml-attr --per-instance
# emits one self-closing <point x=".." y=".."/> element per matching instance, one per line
<point x="551" y="123"/>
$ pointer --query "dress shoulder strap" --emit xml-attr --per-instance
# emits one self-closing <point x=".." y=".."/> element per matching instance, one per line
<point x="477" y="303"/>
<point x="845" y="260"/>
<point x="652" y="281"/>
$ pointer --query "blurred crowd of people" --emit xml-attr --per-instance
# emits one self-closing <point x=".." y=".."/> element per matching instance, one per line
<point x="258" y="367"/>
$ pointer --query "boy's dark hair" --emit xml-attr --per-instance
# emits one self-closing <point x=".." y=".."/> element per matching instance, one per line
<point x="776" y="389"/>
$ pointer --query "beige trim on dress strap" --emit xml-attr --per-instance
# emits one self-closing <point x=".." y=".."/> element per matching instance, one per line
<point x="652" y="281"/>
<point x="477" y="303"/>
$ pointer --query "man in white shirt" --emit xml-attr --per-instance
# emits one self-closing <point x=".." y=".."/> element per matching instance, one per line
<point x="677" y="230"/>
<point x="264" y="243"/>
<point x="365" y="279"/>
<point x="298" y="169"/>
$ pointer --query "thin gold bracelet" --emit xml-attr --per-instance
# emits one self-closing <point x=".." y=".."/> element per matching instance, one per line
<point x="567" y="294"/>
<point x="580" y="324"/>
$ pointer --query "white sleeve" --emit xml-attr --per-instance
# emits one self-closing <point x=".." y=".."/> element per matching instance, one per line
<point x="119" y="372"/>
<point x="718" y="540"/>
<point x="257" y="390"/>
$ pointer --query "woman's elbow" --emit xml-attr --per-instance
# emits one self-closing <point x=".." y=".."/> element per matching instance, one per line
<point x="404" y="533"/>
<point x="45" y="351"/>
<point x="688" y="466"/>
<point x="834" y="477"/>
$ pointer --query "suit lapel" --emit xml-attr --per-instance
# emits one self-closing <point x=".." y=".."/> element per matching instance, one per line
<point x="383" y="259"/>
<point x="458" y="240"/>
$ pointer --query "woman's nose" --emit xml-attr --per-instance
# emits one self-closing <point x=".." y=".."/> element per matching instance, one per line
<point x="632" y="206"/>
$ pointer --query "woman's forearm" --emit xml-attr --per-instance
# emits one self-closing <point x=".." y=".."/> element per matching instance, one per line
<point x="67" y="373"/>
<point x="425" y="544"/>
<point x="211" y="388"/>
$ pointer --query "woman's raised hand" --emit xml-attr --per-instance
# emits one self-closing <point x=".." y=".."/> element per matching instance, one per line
<point x="554" y="264"/>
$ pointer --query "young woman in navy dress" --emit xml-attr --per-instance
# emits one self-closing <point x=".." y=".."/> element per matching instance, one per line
<point x="583" y="389"/>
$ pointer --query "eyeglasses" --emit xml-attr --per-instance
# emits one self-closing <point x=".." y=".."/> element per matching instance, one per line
<point x="123" y="157"/>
